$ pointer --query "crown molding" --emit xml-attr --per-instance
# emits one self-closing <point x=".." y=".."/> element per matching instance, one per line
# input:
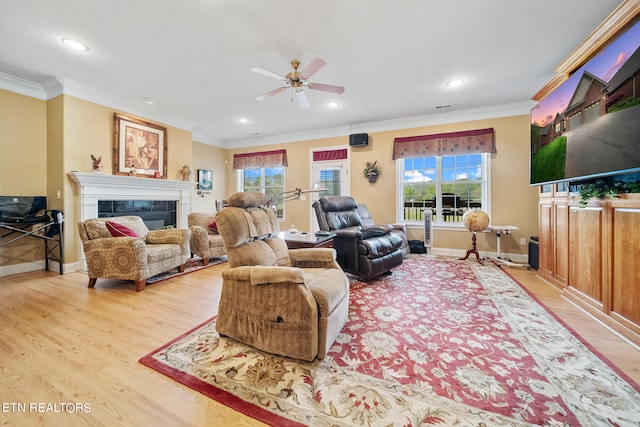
<point x="57" y="86"/>
<point x="22" y="86"/>
<point x="492" y="112"/>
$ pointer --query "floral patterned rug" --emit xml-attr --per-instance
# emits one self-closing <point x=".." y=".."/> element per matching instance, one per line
<point x="439" y="342"/>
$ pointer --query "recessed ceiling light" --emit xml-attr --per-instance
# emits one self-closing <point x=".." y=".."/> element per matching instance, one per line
<point x="74" y="44"/>
<point x="148" y="101"/>
<point x="456" y="82"/>
<point x="333" y="104"/>
<point x="243" y="120"/>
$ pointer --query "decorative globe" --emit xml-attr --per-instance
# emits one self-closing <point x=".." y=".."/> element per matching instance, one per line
<point x="475" y="220"/>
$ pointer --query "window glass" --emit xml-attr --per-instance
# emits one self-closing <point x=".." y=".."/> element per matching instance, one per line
<point x="448" y="185"/>
<point x="269" y="181"/>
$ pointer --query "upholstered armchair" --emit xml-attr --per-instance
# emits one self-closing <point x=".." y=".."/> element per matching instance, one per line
<point x="287" y="302"/>
<point x="205" y="240"/>
<point x="136" y="254"/>
<point x="364" y="250"/>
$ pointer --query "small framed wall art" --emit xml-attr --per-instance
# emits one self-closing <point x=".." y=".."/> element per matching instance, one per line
<point x="205" y="179"/>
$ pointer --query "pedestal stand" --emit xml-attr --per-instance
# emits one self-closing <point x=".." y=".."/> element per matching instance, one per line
<point x="473" y="250"/>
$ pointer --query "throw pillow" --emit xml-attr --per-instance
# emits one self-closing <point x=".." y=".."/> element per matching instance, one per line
<point x="119" y="230"/>
<point x="213" y="226"/>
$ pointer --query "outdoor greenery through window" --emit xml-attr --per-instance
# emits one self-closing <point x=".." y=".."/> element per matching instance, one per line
<point x="449" y="185"/>
<point x="269" y="181"/>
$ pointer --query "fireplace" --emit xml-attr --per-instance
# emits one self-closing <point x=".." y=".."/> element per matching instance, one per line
<point x="152" y="197"/>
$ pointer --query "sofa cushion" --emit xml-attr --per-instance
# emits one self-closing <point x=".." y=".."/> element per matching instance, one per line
<point x="120" y="230"/>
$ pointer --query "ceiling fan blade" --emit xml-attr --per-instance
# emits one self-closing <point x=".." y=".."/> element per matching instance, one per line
<point x="271" y="93"/>
<point x="326" y="88"/>
<point x="303" y="102"/>
<point x="269" y="73"/>
<point x="312" y="68"/>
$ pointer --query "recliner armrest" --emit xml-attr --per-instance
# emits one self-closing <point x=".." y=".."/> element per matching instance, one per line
<point x="263" y="275"/>
<point x="312" y="254"/>
<point x="352" y="233"/>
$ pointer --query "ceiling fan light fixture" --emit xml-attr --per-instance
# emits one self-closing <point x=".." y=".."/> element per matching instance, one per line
<point x="455" y="83"/>
<point x="75" y="44"/>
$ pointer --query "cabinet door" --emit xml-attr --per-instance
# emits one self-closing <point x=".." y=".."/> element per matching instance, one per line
<point x="625" y="259"/>
<point x="561" y="221"/>
<point x="585" y="254"/>
<point x="546" y="239"/>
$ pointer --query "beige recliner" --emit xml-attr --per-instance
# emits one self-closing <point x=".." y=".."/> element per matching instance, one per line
<point x="287" y="302"/>
<point x="131" y="258"/>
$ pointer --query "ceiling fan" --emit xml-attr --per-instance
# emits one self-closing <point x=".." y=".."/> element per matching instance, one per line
<point x="298" y="80"/>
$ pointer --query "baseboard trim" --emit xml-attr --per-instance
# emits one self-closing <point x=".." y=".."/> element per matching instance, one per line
<point x="28" y="267"/>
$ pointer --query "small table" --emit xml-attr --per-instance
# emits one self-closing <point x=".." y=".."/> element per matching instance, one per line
<point x="302" y="239"/>
<point x="505" y="229"/>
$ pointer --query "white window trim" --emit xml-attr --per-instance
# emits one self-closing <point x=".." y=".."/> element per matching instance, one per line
<point x="486" y="199"/>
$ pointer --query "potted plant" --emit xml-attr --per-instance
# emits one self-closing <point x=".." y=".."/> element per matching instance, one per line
<point x="601" y="189"/>
<point x="372" y="171"/>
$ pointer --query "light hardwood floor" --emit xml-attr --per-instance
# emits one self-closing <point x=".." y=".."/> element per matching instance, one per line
<point x="62" y="342"/>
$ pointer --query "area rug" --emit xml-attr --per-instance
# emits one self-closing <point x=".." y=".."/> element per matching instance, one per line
<point x="440" y="342"/>
<point x="192" y="264"/>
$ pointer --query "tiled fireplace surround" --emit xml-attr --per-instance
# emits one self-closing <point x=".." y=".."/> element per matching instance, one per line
<point x="97" y="189"/>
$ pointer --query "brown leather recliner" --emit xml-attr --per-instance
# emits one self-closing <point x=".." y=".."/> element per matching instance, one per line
<point x="366" y="250"/>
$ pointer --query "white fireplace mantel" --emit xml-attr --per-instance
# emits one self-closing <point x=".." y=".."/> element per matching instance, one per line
<point x="96" y="186"/>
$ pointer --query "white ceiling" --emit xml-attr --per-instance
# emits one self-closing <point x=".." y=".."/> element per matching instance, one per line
<point x="193" y="57"/>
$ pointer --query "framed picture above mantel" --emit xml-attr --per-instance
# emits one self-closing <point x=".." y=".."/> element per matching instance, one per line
<point x="139" y="147"/>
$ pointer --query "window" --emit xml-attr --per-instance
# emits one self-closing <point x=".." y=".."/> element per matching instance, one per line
<point x="449" y="185"/>
<point x="269" y="181"/>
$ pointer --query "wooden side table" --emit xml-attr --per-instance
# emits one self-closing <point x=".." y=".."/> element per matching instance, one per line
<point x="306" y="240"/>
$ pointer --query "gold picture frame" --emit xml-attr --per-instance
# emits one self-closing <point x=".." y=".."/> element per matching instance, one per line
<point x="139" y="147"/>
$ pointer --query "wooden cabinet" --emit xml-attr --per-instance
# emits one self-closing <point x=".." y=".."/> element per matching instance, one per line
<point x="593" y="255"/>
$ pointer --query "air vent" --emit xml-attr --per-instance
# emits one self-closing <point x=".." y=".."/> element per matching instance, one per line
<point x="442" y="107"/>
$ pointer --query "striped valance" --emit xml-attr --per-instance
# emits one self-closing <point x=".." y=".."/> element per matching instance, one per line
<point x="445" y="144"/>
<point x="261" y="159"/>
<point x="328" y="155"/>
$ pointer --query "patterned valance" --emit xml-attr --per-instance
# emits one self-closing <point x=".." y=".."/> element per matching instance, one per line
<point x="328" y="155"/>
<point x="262" y="159"/>
<point x="445" y="144"/>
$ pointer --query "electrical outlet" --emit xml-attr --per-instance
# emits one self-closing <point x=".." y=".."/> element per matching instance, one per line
<point x="523" y="241"/>
<point x="303" y="197"/>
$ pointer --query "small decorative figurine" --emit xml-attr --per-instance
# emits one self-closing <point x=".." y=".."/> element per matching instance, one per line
<point x="95" y="164"/>
<point x="186" y="173"/>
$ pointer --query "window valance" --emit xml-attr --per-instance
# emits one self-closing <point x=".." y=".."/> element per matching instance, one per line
<point x="327" y="155"/>
<point x="261" y="159"/>
<point x="445" y="144"/>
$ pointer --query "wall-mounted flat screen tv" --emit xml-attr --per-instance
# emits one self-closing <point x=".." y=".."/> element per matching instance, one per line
<point x="590" y="125"/>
